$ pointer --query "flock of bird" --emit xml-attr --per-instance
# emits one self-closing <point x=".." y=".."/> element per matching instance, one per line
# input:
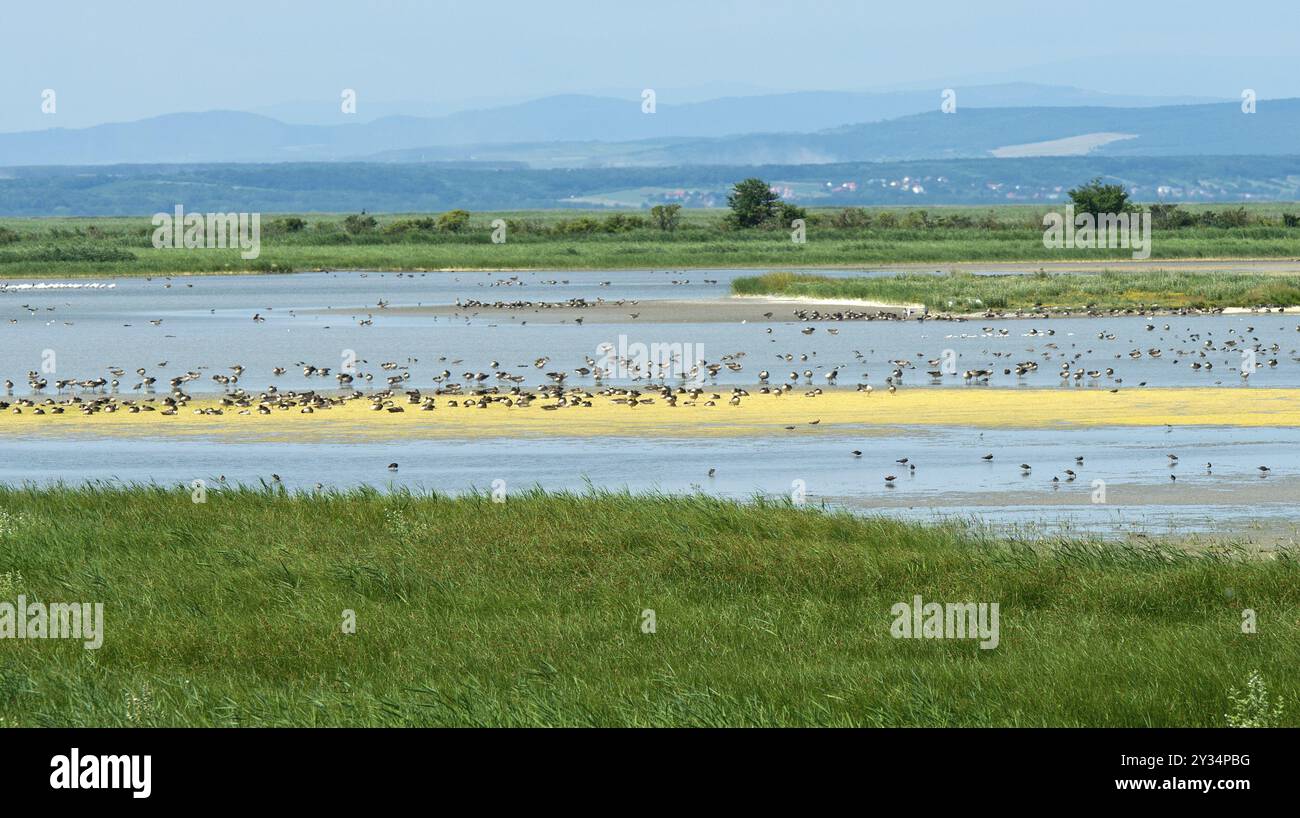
<point x="1238" y="352"/>
<point x="671" y="381"/>
<point x="1070" y="474"/>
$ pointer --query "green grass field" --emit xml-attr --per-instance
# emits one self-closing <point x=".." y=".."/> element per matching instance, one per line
<point x="529" y="612"/>
<point x="589" y="240"/>
<point x="965" y="292"/>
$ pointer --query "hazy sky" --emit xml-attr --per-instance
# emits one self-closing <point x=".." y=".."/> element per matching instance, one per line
<point x="125" y="60"/>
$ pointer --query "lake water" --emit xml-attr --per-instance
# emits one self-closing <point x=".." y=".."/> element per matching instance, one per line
<point x="204" y="323"/>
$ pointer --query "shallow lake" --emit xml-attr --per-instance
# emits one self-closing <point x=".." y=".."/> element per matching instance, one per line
<point x="205" y="324"/>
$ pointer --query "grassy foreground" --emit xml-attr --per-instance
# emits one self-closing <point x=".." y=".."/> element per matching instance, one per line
<point x="470" y="612"/>
<point x="967" y="292"/>
<point x="604" y="239"/>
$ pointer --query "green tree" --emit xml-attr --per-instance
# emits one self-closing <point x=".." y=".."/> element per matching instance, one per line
<point x="752" y="203"/>
<point x="1097" y="198"/>
<point x="453" y="221"/>
<point x="666" y="217"/>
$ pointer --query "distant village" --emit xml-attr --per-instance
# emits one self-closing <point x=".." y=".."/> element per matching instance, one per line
<point x="943" y="190"/>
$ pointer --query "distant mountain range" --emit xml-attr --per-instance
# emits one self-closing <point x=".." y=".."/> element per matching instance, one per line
<point x="1219" y="129"/>
<point x="584" y="131"/>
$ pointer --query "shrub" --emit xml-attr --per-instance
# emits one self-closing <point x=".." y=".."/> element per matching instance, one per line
<point x="584" y="225"/>
<point x="1227" y="218"/>
<point x="453" y="221"/>
<point x="622" y="222"/>
<point x="400" y="227"/>
<point x="288" y="224"/>
<point x="360" y="223"/>
<point x="789" y="212"/>
<point x="1254" y="707"/>
<point x="1169" y="216"/>
<point x="916" y="220"/>
<point x="851" y="218"/>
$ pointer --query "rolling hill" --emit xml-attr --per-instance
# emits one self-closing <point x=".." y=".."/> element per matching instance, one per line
<point x="580" y="130"/>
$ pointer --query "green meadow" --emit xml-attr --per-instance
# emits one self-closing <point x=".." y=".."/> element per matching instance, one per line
<point x="627" y="239"/>
<point x="966" y="292"/>
<point x="534" y="612"/>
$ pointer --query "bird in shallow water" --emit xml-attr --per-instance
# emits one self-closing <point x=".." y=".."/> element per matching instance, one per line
<point x="392" y="467"/>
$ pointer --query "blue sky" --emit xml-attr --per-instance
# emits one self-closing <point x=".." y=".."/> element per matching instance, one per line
<point x="122" y="61"/>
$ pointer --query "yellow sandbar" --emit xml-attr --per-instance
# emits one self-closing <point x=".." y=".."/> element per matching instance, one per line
<point x="757" y="414"/>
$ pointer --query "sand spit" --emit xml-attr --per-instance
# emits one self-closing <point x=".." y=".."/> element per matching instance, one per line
<point x="616" y="413"/>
